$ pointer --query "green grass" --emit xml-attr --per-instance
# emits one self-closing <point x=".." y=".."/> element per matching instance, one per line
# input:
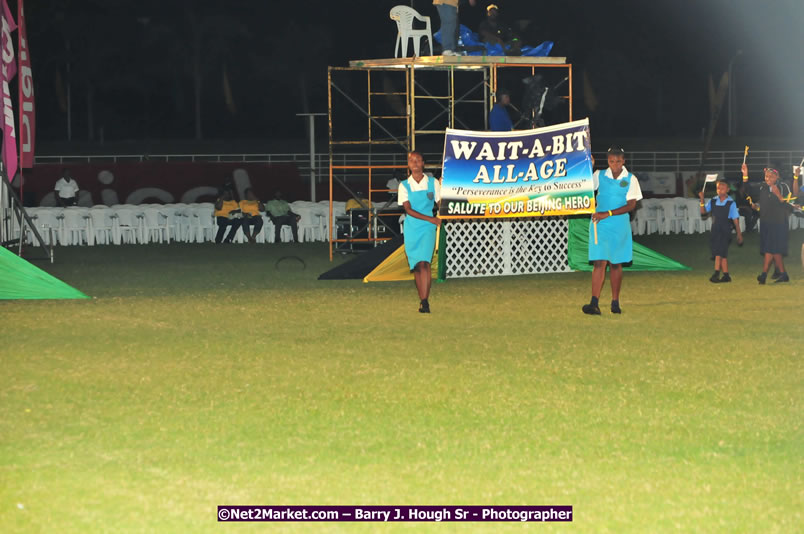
<point x="202" y="375"/>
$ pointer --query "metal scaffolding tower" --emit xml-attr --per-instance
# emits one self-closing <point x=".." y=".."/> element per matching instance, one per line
<point x="407" y="104"/>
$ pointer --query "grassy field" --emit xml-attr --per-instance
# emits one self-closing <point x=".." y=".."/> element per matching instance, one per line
<point x="202" y="375"/>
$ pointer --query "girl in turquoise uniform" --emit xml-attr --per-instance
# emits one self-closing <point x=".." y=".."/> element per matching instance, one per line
<point x="419" y="195"/>
<point x="617" y="194"/>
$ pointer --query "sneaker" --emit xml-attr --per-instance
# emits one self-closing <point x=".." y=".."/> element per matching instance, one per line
<point x="590" y="309"/>
<point x="776" y="274"/>
<point x="725" y="278"/>
<point x="615" y="308"/>
<point x="761" y="278"/>
<point x="449" y="53"/>
<point x="782" y="278"/>
<point x="424" y="307"/>
<point x="714" y="278"/>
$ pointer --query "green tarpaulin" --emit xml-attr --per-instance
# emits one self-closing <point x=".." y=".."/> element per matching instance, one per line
<point x="645" y="259"/>
<point x="21" y="280"/>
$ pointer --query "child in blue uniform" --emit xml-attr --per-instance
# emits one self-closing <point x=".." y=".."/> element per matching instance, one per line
<point x="617" y="194"/>
<point x="419" y="195"/>
<point x="724" y="212"/>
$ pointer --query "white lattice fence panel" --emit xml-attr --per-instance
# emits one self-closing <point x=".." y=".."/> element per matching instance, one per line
<point x="500" y="247"/>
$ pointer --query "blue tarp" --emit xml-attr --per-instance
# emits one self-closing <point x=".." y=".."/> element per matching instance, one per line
<point x="469" y="39"/>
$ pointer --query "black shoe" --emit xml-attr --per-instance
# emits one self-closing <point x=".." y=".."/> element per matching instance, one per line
<point x="761" y="278"/>
<point x="714" y="278"/>
<point x="776" y="274"/>
<point x="725" y="278"/>
<point x="424" y="307"/>
<point x="591" y="309"/>
<point x="615" y="308"/>
<point x="782" y="278"/>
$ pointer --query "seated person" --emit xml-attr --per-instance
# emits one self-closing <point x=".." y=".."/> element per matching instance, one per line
<point x="227" y="214"/>
<point x="493" y="30"/>
<point x="355" y="204"/>
<point x="278" y="210"/>
<point x="251" y="208"/>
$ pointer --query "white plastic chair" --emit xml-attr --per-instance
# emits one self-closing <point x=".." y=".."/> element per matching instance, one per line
<point x="338" y="208"/>
<point x="262" y="235"/>
<point x="308" y="225"/>
<point x="128" y="225"/>
<point x="675" y="214"/>
<point x="695" y="222"/>
<point x="48" y="222"/>
<point x="267" y="229"/>
<point x="649" y="217"/>
<point x="155" y="224"/>
<point x="322" y="212"/>
<point x="178" y="218"/>
<point x="202" y="222"/>
<point x="404" y="17"/>
<point x="75" y="226"/>
<point x="102" y="230"/>
<point x="795" y="222"/>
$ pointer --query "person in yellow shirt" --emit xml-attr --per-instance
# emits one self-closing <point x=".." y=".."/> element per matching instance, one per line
<point x="358" y="203"/>
<point x="227" y="214"/>
<point x="251" y="208"/>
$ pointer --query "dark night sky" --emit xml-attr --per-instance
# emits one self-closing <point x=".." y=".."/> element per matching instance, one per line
<point x="132" y="68"/>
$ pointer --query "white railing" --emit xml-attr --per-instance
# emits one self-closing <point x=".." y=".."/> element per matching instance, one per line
<point x="637" y="161"/>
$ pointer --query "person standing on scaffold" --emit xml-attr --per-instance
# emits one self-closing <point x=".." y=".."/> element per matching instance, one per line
<point x="610" y="242"/>
<point x="420" y="195"/>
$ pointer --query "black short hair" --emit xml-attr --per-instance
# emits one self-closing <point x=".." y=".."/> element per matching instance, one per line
<point x="615" y="150"/>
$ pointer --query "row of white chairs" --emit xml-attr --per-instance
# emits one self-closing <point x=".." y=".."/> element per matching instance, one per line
<point x="163" y="223"/>
<point x="669" y="215"/>
<point x="679" y="215"/>
<point x="195" y="223"/>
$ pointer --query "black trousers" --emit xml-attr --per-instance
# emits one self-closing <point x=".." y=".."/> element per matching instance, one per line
<point x="255" y="222"/>
<point x="289" y="220"/>
<point x="223" y="223"/>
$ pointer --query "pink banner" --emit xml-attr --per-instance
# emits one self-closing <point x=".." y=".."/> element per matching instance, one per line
<point x="27" y="109"/>
<point x="7" y="72"/>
